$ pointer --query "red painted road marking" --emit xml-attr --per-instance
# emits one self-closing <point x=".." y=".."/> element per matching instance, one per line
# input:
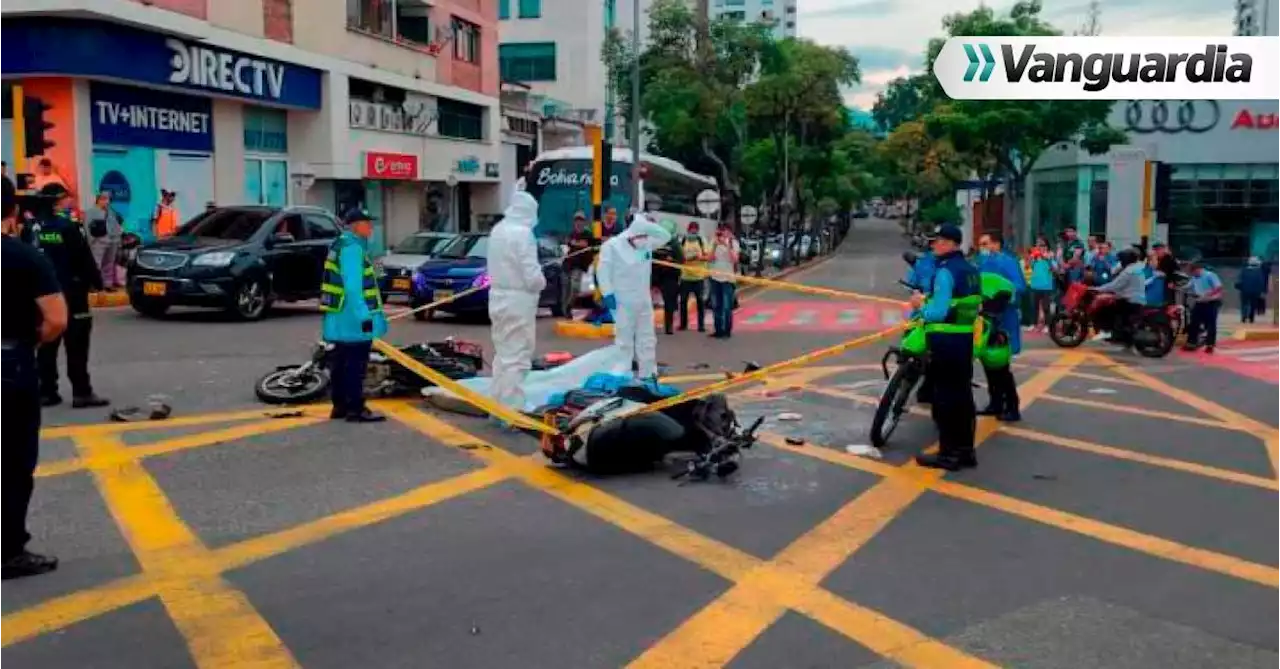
<point x="1253" y="359"/>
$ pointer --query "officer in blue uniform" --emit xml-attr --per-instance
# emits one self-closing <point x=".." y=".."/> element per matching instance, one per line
<point x="949" y="313"/>
<point x="921" y="275"/>
<point x="62" y="240"/>
<point x="353" y="316"/>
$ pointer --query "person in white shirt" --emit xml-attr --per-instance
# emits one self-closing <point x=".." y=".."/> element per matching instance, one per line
<point x="724" y="260"/>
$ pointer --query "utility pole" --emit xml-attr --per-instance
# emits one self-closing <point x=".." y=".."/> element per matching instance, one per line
<point x="635" y="106"/>
<point x="610" y="11"/>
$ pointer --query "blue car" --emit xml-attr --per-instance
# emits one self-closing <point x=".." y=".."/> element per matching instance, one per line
<point x="461" y="265"/>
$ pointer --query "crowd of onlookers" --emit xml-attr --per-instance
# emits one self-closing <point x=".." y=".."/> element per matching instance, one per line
<point x="1051" y="268"/>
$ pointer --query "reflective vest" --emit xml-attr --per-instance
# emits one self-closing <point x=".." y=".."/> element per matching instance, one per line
<point x="990" y="341"/>
<point x="954" y="335"/>
<point x="694" y="250"/>
<point x="332" y="292"/>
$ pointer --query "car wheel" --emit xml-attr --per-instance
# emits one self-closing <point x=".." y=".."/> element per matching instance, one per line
<point x="150" y="309"/>
<point x="251" y="301"/>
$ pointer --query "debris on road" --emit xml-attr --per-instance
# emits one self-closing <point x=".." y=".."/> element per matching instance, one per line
<point x="789" y="415"/>
<point x="1102" y="391"/>
<point x="795" y="441"/>
<point x="864" y="451"/>
<point x="1044" y="477"/>
<point x="286" y="414"/>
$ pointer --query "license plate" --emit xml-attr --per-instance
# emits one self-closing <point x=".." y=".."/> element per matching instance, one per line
<point x="154" y="288"/>
<point x="441" y="295"/>
<point x="399" y="284"/>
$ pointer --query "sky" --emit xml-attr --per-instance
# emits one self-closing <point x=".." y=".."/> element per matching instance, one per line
<point x="889" y="36"/>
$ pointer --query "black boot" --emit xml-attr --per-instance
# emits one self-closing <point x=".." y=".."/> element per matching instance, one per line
<point x="27" y="563"/>
<point x="947" y="461"/>
<point x="88" y="401"/>
<point x="992" y="409"/>
<point x="365" y="416"/>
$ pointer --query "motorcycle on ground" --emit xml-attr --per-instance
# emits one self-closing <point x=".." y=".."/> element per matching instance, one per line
<point x="309" y="381"/>
<point x="1085" y="310"/>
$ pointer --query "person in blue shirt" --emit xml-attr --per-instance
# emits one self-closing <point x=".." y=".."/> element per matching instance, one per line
<point x="1207" y="289"/>
<point x="1102" y="263"/>
<point x="1044" y="265"/>
<point x="949" y="313"/>
<point x="1252" y="285"/>
<point x="1155" y="280"/>
<point x="1001" y="386"/>
<point x="353" y="316"/>
<point x="921" y="272"/>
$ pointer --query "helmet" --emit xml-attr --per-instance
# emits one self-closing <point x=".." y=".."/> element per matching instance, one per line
<point x="1127" y="257"/>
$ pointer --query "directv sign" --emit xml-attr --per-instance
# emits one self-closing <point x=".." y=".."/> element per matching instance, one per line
<point x="100" y="50"/>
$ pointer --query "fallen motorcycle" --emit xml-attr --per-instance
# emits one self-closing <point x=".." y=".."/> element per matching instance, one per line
<point x="299" y="384"/>
<point x="599" y="434"/>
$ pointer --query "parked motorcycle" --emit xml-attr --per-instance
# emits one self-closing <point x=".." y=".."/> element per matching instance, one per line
<point x="1085" y="310"/>
<point x="298" y="384"/>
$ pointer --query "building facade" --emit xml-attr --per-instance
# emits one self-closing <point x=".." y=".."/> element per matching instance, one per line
<point x="782" y="13"/>
<point x="1223" y="197"/>
<point x="1255" y="18"/>
<point x="387" y="104"/>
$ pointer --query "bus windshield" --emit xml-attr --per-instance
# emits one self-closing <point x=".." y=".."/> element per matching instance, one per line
<point x="563" y="187"/>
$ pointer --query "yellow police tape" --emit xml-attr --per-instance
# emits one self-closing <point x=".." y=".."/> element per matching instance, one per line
<point x="471" y="291"/>
<point x="784" y="285"/>
<point x="513" y="417"/>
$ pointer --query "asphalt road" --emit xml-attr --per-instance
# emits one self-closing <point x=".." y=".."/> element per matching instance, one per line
<point x="1128" y="521"/>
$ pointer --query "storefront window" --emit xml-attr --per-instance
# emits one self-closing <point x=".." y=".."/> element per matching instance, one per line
<point x="1098" y="192"/>
<point x="266" y="130"/>
<point x="460" y="119"/>
<point x="266" y="181"/>
<point x="1214" y="208"/>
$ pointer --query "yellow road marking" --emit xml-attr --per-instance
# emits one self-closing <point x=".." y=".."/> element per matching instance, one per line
<point x="1107" y="379"/>
<point x="221" y="627"/>
<point x="1105" y="532"/>
<point x="1235" y="419"/>
<point x="781" y="588"/>
<point x="811" y="557"/>
<point x="175" y="444"/>
<point x="1144" y="458"/>
<point x="62" y="612"/>
<point x="691" y="378"/>
<point x="60" y="431"/>
<point x="1149" y="413"/>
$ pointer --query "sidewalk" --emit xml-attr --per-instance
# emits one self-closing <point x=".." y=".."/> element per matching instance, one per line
<point x="1250" y="331"/>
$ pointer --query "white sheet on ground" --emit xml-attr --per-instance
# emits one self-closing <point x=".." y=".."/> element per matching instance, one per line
<point x="539" y="386"/>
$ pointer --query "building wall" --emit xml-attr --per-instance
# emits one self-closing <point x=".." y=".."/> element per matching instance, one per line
<point x="228" y="152"/>
<point x="577" y="29"/>
<point x="243" y="16"/>
<point x="1257" y="18"/>
<point x="782" y="11"/>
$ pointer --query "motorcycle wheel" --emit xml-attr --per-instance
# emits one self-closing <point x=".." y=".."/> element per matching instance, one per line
<point x="893" y="402"/>
<point x="1068" y="331"/>
<point x="288" y="386"/>
<point x="1153" y="339"/>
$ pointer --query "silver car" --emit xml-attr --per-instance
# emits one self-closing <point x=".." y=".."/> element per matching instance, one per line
<point x="406" y="257"/>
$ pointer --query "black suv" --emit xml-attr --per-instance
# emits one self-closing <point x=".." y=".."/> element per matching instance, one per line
<point x="236" y="258"/>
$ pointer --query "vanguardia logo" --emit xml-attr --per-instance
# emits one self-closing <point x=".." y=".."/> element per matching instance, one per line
<point x="1057" y="67"/>
<point x="1216" y="64"/>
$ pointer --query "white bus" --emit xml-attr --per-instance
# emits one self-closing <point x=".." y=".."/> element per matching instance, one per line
<point x="560" y="180"/>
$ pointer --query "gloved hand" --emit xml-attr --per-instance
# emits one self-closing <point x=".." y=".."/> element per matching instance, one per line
<point x="366" y="326"/>
<point x="610" y="302"/>
<point x="651" y="383"/>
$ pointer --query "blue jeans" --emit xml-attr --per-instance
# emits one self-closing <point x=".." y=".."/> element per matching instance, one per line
<point x="346" y="373"/>
<point x="722" y="293"/>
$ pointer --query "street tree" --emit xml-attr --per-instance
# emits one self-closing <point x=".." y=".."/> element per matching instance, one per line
<point x="1014" y="134"/>
<point x="905" y="99"/>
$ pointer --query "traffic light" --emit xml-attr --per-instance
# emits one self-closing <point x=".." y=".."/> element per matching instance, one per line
<point x="1163" y="183"/>
<point x="35" y="127"/>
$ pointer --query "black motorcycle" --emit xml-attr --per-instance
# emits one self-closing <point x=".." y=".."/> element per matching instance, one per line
<point x="308" y="382"/>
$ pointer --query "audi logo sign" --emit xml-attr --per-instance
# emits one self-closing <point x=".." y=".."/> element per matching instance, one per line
<point x="1169" y="117"/>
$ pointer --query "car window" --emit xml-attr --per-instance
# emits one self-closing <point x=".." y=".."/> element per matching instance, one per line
<point x="467" y="246"/>
<point x="320" y="227"/>
<point x="238" y="224"/>
<point x="422" y="245"/>
<point x="291" y="224"/>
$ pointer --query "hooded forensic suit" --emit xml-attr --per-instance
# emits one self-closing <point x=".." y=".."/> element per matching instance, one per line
<point x="626" y="263"/>
<point x="515" y="282"/>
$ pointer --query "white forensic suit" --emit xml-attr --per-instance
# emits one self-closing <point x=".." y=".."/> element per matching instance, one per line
<point x="626" y="262"/>
<point x="515" y="282"/>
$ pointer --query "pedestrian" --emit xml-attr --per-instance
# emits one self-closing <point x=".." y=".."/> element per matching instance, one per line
<point x="1252" y="285"/>
<point x="581" y="257"/>
<point x="166" y="221"/>
<point x="1091" y="248"/>
<point x="61" y="238"/>
<point x="45" y="175"/>
<point x="516" y="281"/>
<point x="724" y="258"/>
<point x="693" y="280"/>
<point x="1206" y="289"/>
<point x="353" y="316"/>
<point x="1155" y="281"/>
<point x="949" y="313"/>
<point x="34" y="312"/>
<point x="1043" y="266"/>
<point x="105" y="231"/>
<point x="1102" y="263"/>
<point x="1070" y="244"/>
<point x="1001" y="386"/>
<point x="624" y="273"/>
<point x="667" y="278"/>
<point x="609" y="225"/>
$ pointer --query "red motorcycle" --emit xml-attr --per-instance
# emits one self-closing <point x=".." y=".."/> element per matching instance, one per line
<point x="1085" y="310"/>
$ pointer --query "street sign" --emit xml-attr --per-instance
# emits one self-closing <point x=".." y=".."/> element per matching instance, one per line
<point x="748" y="215"/>
<point x="708" y="202"/>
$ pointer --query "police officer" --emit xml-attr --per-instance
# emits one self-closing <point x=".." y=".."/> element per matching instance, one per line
<point x="921" y="275"/>
<point x="949" y="313"/>
<point x="33" y="312"/>
<point x="63" y="242"/>
<point x="353" y="316"/>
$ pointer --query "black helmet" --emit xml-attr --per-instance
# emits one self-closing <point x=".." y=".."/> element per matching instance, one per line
<point x="1127" y="257"/>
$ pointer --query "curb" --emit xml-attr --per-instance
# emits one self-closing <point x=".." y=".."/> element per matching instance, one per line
<point x="108" y="300"/>
<point x="1261" y="334"/>
<point x="795" y="269"/>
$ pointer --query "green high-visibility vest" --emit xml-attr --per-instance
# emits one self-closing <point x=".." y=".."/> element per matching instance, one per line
<point x="332" y="290"/>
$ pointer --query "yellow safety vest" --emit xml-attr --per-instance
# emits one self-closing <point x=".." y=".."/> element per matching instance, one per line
<point x="332" y="292"/>
<point x="694" y="250"/>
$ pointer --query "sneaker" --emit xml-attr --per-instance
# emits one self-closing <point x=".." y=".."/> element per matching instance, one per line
<point x="1010" y="417"/>
<point x="88" y="401"/>
<point x="27" y="563"/>
<point x="949" y="463"/>
<point x="366" y="416"/>
<point x="50" y="400"/>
